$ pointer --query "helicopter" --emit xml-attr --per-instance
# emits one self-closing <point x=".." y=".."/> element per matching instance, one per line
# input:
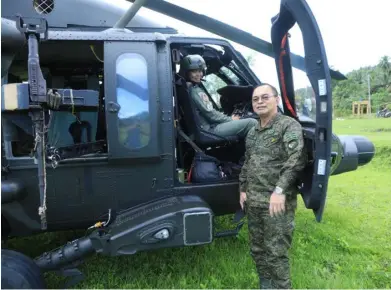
<point x="99" y="131"/>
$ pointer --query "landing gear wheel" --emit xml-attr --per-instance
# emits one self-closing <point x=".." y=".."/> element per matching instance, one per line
<point x="20" y="272"/>
<point x="5" y="229"/>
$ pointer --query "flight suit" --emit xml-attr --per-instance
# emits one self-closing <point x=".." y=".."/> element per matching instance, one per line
<point x="275" y="155"/>
<point x="215" y="121"/>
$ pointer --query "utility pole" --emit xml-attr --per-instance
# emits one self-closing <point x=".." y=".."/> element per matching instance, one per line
<point x="369" y="94"/>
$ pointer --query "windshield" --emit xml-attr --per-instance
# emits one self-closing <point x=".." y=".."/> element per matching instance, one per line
<point x="229" y="74"/>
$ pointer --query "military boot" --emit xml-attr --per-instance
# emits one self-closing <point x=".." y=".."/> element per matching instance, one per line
<point x="265" y="283"/>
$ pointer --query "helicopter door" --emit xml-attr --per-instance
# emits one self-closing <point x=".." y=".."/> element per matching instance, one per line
<point x="311" y="104"/>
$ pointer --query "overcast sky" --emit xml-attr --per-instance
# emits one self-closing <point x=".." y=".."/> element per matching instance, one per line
<point x="355" y="32"/>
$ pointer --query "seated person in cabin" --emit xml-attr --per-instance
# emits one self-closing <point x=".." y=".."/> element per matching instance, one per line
<point x="193" y="68"/>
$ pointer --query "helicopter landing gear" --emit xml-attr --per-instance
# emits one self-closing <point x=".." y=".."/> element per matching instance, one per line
<point x="20" y="272"/>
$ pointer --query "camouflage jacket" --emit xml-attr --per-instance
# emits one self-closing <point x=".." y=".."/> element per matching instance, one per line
<point x="208" y="114"/>
<point x="275" y="155"/>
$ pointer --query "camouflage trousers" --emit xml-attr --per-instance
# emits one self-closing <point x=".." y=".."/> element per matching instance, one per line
<point x="270" y="241"/>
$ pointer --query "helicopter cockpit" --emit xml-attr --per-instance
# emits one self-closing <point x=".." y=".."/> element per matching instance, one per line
<point x="228" y="86"/>
<point x="225" y="82"/>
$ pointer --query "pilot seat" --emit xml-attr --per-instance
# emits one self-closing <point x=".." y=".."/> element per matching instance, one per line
<point x="201" y="137"/>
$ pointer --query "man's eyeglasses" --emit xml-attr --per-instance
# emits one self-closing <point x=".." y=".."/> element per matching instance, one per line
<point x="264" y="98"/>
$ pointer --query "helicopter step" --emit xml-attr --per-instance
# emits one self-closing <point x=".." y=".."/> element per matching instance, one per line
<point x="170" y="222"/>
<point x="237" y="219"/>
<point x="229" y="233"/>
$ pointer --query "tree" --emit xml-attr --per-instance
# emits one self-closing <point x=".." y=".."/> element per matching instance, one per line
<point x="250" y="58"/>
<point x="385" y="66"/>
<point x="355" y="88"/>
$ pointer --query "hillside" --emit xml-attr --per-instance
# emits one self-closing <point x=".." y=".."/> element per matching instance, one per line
<point x="376" y="79"/>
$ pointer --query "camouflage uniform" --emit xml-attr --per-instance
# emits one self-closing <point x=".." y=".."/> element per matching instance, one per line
<point x="215" y="121"/>
<point x="274" y="156"/>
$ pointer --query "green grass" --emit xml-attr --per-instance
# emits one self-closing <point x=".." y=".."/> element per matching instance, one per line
<point x="350" y="248"/>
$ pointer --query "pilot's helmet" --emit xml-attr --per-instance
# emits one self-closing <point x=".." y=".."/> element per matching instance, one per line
<point x="192" y="62"/>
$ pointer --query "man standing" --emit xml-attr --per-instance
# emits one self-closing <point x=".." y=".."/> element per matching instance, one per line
<point x="274" y="157"/>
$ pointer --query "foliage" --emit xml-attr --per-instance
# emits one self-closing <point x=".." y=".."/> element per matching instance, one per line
<point x="373" y="80"/>
<point x="251" y="58"/>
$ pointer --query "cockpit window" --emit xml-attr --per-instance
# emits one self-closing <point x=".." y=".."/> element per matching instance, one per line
<point x="225" y="76"/>
<point x="234" y="78"/>
<point x="212" y="84"/>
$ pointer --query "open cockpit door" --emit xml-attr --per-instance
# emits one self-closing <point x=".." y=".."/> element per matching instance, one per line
<point x="314" y="109"/>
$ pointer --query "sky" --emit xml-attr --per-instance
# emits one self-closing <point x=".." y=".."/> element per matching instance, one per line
<point x="354" y="32"/>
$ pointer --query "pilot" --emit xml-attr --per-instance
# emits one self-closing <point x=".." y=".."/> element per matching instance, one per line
<point x="193" y="68"/>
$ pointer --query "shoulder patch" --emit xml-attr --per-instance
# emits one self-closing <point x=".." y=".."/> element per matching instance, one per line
<point x="291" y="139"/>
<point x="204" y="97"/>
<point x="292" y="144"/>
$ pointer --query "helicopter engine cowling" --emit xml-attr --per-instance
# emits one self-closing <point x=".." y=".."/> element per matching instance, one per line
<point x="169" y="222"/>
<point x="352" y="152"/>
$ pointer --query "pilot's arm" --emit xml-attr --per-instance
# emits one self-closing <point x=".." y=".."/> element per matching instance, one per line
<point x="205" y="106"/>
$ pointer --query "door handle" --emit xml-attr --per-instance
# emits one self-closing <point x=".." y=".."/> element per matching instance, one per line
<point x="113" y="107"/>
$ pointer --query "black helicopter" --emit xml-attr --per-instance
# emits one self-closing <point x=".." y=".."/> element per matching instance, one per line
<point x="99" y="133"/>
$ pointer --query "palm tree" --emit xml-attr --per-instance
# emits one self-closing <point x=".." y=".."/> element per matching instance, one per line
<point x="385" y="66"/>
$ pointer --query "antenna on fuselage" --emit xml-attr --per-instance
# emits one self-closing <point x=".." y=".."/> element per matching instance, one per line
<point x="125" y="19"/>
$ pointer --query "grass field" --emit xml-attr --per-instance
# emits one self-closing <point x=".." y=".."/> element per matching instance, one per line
<point x="351" y="248"/>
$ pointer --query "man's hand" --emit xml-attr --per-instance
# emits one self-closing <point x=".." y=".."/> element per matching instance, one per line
<point x="277" y="204"/>
<point x="243" y="198"/>
<point x="235" y="117"/>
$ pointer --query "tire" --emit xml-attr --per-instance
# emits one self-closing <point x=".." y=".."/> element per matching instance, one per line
<point x="20" y="272"/>
<point x="5" y="228"/>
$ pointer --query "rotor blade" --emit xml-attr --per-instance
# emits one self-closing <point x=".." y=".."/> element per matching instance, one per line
<point x="125" y="19"/>
<point x="225" y="30"/>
